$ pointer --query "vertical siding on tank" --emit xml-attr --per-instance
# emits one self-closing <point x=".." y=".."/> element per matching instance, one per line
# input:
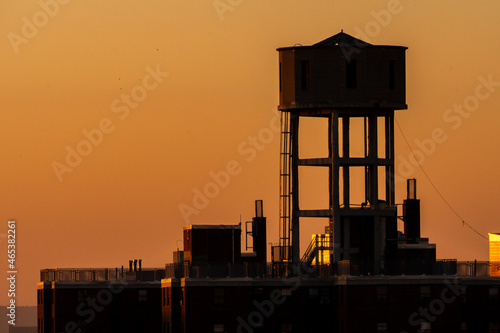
<point x="287" y="93"/>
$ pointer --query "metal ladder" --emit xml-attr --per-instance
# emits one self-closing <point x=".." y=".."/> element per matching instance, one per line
<point x="285" y="188"/>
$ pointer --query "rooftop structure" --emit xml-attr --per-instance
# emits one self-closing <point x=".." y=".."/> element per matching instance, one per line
<point x="362" y="275"/>
<point x="340" y="80"/>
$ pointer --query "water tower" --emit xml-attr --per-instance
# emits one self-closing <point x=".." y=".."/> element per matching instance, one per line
<point x="345" y="81"/>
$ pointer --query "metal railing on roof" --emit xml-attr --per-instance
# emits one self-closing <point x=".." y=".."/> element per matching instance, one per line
<point x="270" y="270"/>
<point x="342" y="268"/>
<point x="100" y="274"/>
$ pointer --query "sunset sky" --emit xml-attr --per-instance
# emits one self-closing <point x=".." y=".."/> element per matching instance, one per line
<point x="202" y="84"/>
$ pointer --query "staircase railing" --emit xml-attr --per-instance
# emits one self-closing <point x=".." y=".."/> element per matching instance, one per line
<point x="309" y="254"/>
<point x="318" y="243"/>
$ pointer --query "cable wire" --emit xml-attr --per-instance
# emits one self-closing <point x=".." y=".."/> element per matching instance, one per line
<point x="435" y="188"/>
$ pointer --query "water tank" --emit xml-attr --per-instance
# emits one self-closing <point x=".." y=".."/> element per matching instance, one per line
<point x="342" y="72"/>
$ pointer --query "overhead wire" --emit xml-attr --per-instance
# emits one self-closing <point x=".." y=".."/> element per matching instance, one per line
<point x="436" y="189"/>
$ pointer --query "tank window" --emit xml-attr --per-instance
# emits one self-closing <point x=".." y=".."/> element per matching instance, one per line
<point x="304" y="74"/>
<point x="392" y="75"/>
<point x="218" y="293"/>
<point x="280" y="76"/>
<point x="351" y="74"/>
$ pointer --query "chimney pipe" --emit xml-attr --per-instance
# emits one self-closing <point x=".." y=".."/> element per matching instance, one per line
<point x="411" y="213"/>
<point x="259" y="210"/>
<point x="411" y="188"/>
<point x="259" y="233"/>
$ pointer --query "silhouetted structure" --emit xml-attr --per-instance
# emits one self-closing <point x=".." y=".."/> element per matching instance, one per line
<point x="100" y="300"/>
<point x="347" y="304"/>
<point x="199" y="243"/>
<point x="377" y="278"/>
<point x="342" y="79"/>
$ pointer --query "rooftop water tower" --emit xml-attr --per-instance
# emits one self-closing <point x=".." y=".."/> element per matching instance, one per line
<point x="339" y="79"/>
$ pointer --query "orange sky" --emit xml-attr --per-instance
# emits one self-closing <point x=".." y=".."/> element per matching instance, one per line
<point x="122" y="201"/>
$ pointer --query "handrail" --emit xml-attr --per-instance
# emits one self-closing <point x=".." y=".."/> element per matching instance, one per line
<point x="274" y="270"/>
<point x="100" y="274"/>
<point x="310" y="250"/>
<point x="318" y="241"/>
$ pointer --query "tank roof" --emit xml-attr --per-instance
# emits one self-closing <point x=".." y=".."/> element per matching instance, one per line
<point x="340" y="39"/>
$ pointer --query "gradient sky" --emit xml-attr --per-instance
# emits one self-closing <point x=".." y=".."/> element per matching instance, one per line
<point x="122" y="200"/>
